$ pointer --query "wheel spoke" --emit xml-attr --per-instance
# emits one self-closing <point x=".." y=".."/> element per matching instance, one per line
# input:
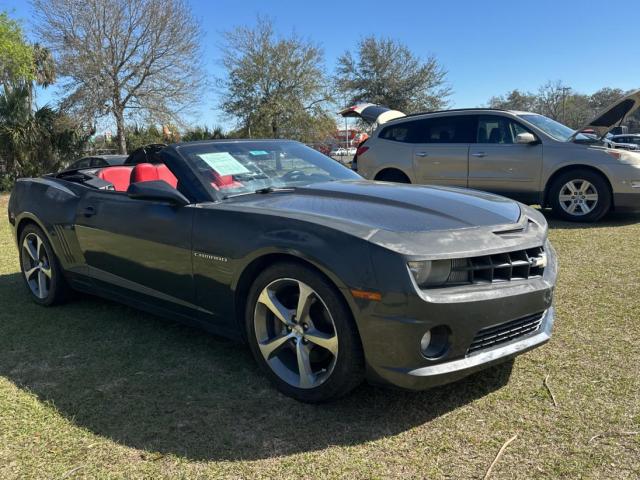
<point x="572" y="187"/>
<point x="328" y="342"/>
<point x="307" y="377"/>
<point x="271" y="347"/>
<point x="30" y="249"/>
<point x="269" y="300"/>
<point x="29" y="273"/>
<point x="46" y="271"/>
<point x="38" y="247"/>
<point x="585" y="186"/>
<point x="585" y="208"/>
<point x="564" y="198"/>
<point x="572" y="208"/>
<point x="592" y="197"/>
<point x="305" y="300"/>
<point x="42" y="284"/>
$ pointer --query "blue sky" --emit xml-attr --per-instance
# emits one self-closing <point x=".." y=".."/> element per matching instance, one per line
<point x="487" y="47"/>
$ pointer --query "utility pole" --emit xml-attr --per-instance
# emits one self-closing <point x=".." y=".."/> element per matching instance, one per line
<point x="564" y="96"/>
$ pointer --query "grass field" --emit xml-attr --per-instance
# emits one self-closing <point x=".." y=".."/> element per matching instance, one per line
<point x="93" y="389"/>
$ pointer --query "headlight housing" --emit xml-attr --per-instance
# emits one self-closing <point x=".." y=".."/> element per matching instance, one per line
<point x="430" y="273"/>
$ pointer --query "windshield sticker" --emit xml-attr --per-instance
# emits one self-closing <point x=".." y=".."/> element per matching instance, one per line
<point x="259" y="152"/>
<point x="223" y="163"/>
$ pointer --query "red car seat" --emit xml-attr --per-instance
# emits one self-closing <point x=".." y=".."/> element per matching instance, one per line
<point x="147" y="172"/>
<point x="118" y="176"/>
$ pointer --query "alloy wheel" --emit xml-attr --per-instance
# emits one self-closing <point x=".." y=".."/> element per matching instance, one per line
<point x="296" y="334"/>
<point x="36" y="266"/>
<point x="578" y="197"/>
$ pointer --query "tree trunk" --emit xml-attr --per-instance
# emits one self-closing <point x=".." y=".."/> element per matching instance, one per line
<point x="122" y="143"/>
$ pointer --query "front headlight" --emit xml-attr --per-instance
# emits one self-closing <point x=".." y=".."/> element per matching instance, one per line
<point x="430" y="273"/>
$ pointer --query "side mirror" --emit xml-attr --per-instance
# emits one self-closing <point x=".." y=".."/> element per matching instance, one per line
<point x="157" y="190"/>
<point x="526" y="138"/>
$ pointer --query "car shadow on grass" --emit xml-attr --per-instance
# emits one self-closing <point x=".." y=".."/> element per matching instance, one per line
<point x="155" y="385"/>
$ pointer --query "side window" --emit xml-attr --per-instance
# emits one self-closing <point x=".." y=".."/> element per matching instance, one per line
<point x="446" y="129"/>
<point x="498" y="130"/>
<point x="98" y="162"/>
<point x="397" y="133"/>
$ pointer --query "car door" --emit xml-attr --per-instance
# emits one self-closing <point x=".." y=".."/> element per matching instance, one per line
<point x="498" y="164"/>
<point x="441" y="149"/>
<point x="137" y="248"/>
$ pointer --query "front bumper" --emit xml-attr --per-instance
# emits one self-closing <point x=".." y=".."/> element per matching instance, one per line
<point x="391" y="333"/>
<point x="447" y="372"/>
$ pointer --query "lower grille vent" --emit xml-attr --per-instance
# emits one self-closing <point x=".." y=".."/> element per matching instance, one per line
<point x="505" y="332"/>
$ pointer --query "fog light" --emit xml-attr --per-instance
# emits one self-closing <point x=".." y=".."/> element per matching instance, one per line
<point x="426" y="340"/>
<point x="435" y="342"/>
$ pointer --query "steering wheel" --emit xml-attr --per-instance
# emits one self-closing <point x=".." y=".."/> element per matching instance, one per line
<point x="294" y="175"/>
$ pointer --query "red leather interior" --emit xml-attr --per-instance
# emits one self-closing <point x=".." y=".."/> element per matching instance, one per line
<point x="147" y="172"/>
<point x="224" y="181"/>
<point x="119" y="176"/>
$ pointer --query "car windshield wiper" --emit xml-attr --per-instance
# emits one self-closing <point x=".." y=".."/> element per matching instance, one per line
<point x="262" y="191"/>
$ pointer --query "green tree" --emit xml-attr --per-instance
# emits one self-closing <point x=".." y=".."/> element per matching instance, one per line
<point x="34" y="142"/>
<point x="273" y="83"/>
<point x="16" y="55"/>
<point x="514" y="100"/>
<point x="385" y="71"/>
<point x="203" y="133"/>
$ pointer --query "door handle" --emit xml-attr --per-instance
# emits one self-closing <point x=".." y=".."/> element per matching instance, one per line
<point x="479" y="154"/>
<point x="422" y="154"/>
<point x="89" y="211"/>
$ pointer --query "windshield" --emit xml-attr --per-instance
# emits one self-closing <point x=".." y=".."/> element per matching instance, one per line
<point x="554" y="129"/>
<point x="234" y="168"/>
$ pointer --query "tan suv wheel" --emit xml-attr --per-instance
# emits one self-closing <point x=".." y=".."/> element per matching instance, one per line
<point x="580" y="196"/>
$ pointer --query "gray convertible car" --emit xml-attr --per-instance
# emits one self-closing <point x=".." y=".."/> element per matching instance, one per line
<point x="329" y="278"/>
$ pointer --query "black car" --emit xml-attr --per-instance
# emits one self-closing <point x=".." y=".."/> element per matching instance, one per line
<point x="329" y="278"/>
<point x="97" y="161"/>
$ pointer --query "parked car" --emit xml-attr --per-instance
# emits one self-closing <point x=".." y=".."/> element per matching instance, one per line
<point x="629" y="139"/>
<point x="522" y="155"/>
<point x="97" y="161"/>
<point x="328" y="277"/>
<point x="594" y="140"/>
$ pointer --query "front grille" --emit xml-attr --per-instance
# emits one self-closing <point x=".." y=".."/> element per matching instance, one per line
<point x="505" y="332"/>
<point x="501" y="267"/>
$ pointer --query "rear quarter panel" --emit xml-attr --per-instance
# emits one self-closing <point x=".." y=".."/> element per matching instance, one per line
<point x="51" y="204"/>
<point x="386" y="154"/>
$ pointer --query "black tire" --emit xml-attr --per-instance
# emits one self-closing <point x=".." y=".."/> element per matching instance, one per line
<point x="395" y="176"/>
<point x="598" y="186"/>
<point x="56" y="289"/>
<point x="347" y="370"/>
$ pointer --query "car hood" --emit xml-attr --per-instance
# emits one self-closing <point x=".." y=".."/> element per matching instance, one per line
<point x="405" y="218"/>
<point x="612" y="115"/>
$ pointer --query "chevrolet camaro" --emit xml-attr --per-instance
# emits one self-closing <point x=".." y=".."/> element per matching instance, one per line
<point x="329" y="278"/>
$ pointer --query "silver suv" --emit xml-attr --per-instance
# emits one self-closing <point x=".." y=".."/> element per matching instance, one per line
<point x="522" y="155"/>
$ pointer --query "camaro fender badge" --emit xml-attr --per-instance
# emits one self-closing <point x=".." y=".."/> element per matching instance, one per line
<point x="208" y="256"/>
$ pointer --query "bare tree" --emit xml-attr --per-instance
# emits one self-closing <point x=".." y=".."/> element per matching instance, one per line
<point x="124" y="57"/>
<point x="386" y="72"/>
<point x="552" y="98"/>
<point x="274" y="85"/>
